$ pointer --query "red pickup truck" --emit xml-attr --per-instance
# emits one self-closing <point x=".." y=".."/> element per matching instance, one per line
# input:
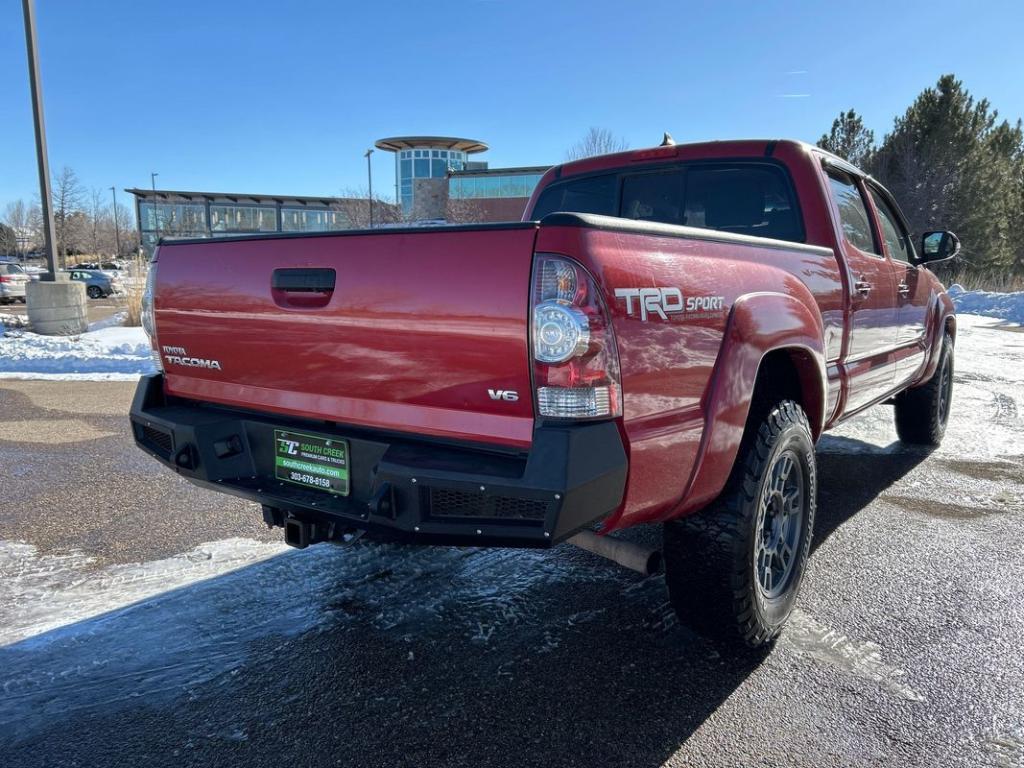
<point x="661" y="340"/>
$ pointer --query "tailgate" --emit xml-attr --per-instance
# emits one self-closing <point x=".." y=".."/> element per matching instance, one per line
<point x="424" y="331"/>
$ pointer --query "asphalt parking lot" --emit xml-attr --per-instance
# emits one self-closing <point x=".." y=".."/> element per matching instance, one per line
<point x="146" y="622"/>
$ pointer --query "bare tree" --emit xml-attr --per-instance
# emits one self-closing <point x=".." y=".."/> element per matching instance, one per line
<point x="24" y="219"/>
<point x="97" y="215"/>
<point x="67" y="201"/>
<point x="8" y="240"/>
<point x="127" y="233"/>
<point x="598" y="141"/>
<point x="354" y="205"/>
<point x="463" y="211"/>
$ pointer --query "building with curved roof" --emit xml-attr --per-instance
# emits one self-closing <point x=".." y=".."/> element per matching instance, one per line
<point x="426" y="157"/>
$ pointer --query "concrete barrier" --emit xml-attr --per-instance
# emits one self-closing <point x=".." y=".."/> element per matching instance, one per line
<point x="57" y="308"/>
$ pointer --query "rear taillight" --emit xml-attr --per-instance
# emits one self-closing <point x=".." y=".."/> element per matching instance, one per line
<point x="149" y="314"/>
<point x="575" y="362"/>
<point x="6" y="279"/>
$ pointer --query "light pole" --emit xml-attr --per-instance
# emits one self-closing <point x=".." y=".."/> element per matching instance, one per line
<point x="56" y="306"/>
<point x="117" y="229"/>
<point x="49" y="231"/>
<point x="369" y="180"/>
<point x="152" y="205"/>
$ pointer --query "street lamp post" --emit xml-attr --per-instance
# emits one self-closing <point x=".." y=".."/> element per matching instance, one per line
<point x="46" y="200"/>
<point x="117" y="228"/>
<point x="152" y="205"/>
<point x="369" y="180"/>
<point x="56" y="306"/>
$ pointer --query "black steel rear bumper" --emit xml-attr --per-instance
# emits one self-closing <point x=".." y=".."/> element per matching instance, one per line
<point x="411" y="488"/>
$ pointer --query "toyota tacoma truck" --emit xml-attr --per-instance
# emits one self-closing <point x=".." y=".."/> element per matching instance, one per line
<point x="661" y="339"/>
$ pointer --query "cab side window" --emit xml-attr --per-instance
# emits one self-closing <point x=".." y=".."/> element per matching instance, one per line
<point x="853" y="213"/>
<point x="593" y="194"/>
<point x="896" y="240"/>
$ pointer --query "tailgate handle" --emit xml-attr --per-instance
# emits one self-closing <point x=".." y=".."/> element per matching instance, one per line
<point x="307" y="280"/>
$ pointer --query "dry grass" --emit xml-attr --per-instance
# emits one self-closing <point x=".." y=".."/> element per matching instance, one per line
<point x="1002" y="282"/>
<point x="134" y="287"/>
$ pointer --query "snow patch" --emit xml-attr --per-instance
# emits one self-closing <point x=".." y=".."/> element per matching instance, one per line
<point x="44" y="592"/>
<point x="1005" y="306"/>
<point x="805" y="636"/>
<point x="115" y="320"/>
<point x="107" y="350"/>
<point x="77" y="636"/>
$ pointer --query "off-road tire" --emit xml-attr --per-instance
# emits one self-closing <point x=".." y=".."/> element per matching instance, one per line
<point x="711" y="557"/>
<point x="922" y="412"/>
<point x="94" y="292"/>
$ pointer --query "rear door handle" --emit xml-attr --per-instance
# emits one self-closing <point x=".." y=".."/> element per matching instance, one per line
<point x="863" y="287"/>
<point x="903" y="290"/>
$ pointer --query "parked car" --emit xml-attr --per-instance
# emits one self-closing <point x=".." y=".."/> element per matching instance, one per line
<point x="111" y="266"/>
<point x="661" y="341"/>
<point x="12" y="282"/>
<point x="98" y="284"/>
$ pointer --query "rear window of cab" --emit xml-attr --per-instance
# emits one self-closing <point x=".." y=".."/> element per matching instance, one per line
<point x="748" y="198"/>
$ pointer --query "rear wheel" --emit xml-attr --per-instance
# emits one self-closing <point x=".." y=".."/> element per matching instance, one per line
<point x="94" y="292"/>
<point x="922" y="412"/>
<point x="734" y="569"/>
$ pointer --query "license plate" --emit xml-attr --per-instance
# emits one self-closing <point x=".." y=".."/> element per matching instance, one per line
<point x="312" y="461"/>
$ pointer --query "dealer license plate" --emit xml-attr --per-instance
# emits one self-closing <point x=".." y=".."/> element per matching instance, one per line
<point x="311" y="461"/>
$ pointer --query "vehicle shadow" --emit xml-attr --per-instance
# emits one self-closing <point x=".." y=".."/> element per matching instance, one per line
<point x="383" y="655"/>
<point x="852" y="473"/>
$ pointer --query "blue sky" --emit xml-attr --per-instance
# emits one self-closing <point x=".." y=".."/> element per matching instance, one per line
<point x="285" y="97"/>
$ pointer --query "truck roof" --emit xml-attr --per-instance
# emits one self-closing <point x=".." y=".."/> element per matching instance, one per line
<point x="696" y="151"/>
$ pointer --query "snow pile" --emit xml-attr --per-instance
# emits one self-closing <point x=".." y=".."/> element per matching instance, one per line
<point x="1005" y="306"/>
<point x="108" y="352"/>
<point x="12" y="322"/>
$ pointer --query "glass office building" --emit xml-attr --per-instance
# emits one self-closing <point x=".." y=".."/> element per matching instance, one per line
<point x="178" y="214"/>
<point x="496" y="183"/>
<point x="426" y="157"/>
<point x="493" y="194"/>
<point x="450" y="185"/>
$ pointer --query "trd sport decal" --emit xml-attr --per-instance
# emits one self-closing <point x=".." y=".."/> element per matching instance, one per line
<point x="666" y="301"/>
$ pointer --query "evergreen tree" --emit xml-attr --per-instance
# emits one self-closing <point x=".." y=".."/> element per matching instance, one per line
<point x="850" y="140"/>
<point x="952" y="166"/>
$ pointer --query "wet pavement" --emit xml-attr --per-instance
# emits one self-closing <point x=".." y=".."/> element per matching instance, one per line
<point x="146" y="622"/>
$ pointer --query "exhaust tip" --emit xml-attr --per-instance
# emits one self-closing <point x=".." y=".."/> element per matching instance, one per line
<point x="636" y="557"/>
<point x="654" y="563"/>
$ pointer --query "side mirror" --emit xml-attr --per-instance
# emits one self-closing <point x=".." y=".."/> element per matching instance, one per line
<point x="939" y="245"/>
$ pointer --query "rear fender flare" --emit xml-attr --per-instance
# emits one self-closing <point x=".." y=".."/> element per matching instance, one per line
<point x="759" y="323"/>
